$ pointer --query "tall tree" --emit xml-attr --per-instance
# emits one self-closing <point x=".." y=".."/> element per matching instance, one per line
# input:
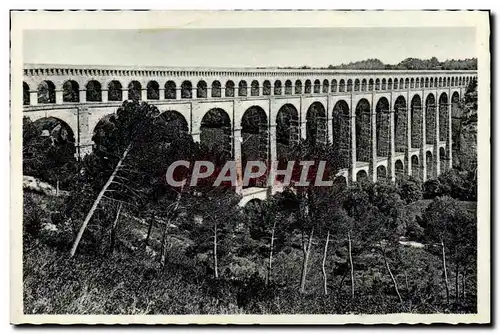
<point x="445" y="224"/>
<point x="213" y="220"/>
<point x="133" y="126"/>
<point x="333" y="226"/>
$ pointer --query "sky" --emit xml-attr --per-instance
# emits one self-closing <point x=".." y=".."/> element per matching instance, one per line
<point x="245" y="47"/>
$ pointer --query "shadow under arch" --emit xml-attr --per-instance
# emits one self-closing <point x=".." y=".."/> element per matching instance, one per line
<point x="254" y="137"/>
<point x="363" y="131"/>
<point x="342" y="132"/>
<point x="215" y="131"/>
<point x="316" y="124"/>
<point x="287" y="129"/>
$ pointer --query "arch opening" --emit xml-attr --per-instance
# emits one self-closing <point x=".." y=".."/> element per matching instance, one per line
<point x="416" y="169"/>
<point x="334" y="86"/>
<point x="342" y="132"/>
<point x="277" y="87"/>
<point x="316" y="124"/>
<point x="381" y="173"/>
<point x="229" y="89"/>
<point x="254" y="147"/>
<point x="363" y="131"/>
<point x="429" y="164"/>
<point x="115" y="91"/>
<point x="383" y="127"/>
<point x="201" y="89"/>
<point x="93" y="91"/>
<point x="134" y="90"/>
<point x="416" y="122"/>
<point x="399" y="169"/>
<point x="26" y="94"/>
<point x="71" y="91"/>
<point x="186" y="90"/>
<point x="361" y="176"/>
<point x="455" y="122"/>
<point x="288" y="88"/>
<point x="254" y="88"/>
<point x="52" y="134"/>
<point x="173" y="123"/>
<point x="307" y="87"/>
<point x="326" y="86"/>
<point x="287" y="129"/>
<point x="443" y="117"/>
<point x="317" y="86"/>
<point x="357" y="85"/>
<point x="342" y="86"/>
<point x="443" y="160"/>
<point x="215" y="131"/>
<point x="400" y="125"/>
<point x="216" y="89"/>
<point x="430" y="119"/>
<point x="242" y="88"/>
<point x="298" y="87"/>
<point x="153" y="90"/>
<point x="266" y="89"/>
<point x="170" y="90"/>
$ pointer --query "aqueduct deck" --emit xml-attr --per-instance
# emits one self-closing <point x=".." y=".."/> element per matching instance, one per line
<point x="384" y="123"/>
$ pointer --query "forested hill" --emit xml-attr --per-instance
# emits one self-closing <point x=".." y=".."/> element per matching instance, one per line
<point x="412" y="64"/>
<point x="407" y="64"/>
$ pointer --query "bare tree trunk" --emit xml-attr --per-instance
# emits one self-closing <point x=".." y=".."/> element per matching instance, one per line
<point x="350" y="264"/>
<point x="406" y="282"/>
<point x="164" y="242"/>
<point x="341" y="282"/>
<point x="216" y="269"/>
<point x="150" y="228"/>
<point x="463" y="284"/>
<point x="57" y="187"/>
<point x="445" y="273"/>
<point x="270" y="264"/>
<point x="113" y="229"/>
<point x="325" y="280"/>
<point x="457" y="273"/>
<point x="392" y="278"/>
<point x="307" y="251"/>
<point x="98" y="200"/>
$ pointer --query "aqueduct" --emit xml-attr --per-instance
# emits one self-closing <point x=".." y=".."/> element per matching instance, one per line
<point x="385" y="123"/>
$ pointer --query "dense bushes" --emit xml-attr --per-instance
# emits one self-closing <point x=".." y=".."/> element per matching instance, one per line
<point x="461" y="185"/>
<point x="409" y="189"/>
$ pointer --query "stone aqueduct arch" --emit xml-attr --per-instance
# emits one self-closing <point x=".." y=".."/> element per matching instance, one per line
<point x="297" y="100"/>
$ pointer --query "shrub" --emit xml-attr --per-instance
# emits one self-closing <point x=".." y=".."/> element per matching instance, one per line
<point x="32" y="218"/>
<point x="409" y="189"/>
<point x="432" y="189"/>
<point x="460" y="185"/>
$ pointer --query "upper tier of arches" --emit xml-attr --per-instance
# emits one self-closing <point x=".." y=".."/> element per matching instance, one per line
<point x="81" y="90"/>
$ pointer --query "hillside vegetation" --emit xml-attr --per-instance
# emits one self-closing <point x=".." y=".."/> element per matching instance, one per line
<point x="123" y="241"/>
<point x="407" y="64"/>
